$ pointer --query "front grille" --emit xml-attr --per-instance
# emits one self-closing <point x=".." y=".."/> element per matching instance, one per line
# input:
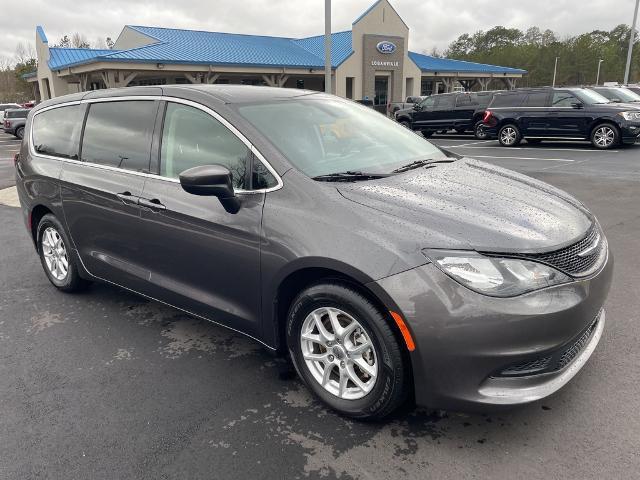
<point x="555" y="361"/>
<point x="575" y="259"/>
<point x="572" y="351"/>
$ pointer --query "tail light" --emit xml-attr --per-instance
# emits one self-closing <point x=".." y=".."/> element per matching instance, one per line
<point x="7" y="124"/>
<point x="16" y="159"/>
<point x="487" y="116"/>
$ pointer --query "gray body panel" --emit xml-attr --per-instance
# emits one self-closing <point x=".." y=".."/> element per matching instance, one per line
<point x="228" y="267"/>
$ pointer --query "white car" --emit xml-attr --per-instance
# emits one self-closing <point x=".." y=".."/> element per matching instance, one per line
<point x="5" y="106"/>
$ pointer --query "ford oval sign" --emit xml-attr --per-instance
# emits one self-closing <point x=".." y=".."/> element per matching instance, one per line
<point x="386" y="47"/>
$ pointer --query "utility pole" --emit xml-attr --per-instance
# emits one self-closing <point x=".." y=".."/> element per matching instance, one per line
<point x="555" y="69"/>
<point x="327" y="46"/>
<point x="598" y="76"/>
<point x="631" y="41"/>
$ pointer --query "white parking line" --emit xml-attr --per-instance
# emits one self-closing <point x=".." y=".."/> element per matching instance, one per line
<point x="466" y="144"/>
<point x="544" y="149"/>
<point x="524" y="158"/>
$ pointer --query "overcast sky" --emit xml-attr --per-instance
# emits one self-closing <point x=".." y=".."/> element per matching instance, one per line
<point x="432" y="23"/>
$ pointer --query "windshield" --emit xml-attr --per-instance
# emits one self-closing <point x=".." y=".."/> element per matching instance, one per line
<point x="619" y="94"/>
<point x="324" y="136"/>
<point x="590" y="97"/>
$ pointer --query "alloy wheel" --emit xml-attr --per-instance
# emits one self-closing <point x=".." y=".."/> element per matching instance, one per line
<point x="604" y="137"/>
<point x="339" y="353"/>
<point x="55" y="254"/>
<point x="508" y="136"/>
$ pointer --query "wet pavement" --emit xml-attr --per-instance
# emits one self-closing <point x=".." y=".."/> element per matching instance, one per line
<point x="106" y="384"/>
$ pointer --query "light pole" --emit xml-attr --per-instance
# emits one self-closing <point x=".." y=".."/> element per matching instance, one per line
<point x="598" y="76"/>
<point x="327" y="46"/>
<point x="555" y="69"/>
<point x="631" y="40"/>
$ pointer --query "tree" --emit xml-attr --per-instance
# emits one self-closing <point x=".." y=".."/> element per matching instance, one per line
<point x="64" y="42"/>
<point x="110" y="43"/>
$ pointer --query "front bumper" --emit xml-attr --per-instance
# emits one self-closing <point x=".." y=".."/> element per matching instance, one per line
<point x="630" y="131"/>
<point x="465" y="341"/>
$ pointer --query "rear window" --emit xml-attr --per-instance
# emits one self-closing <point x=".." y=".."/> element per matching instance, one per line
<point x="483" y="99"/>
<point x="56" y="131"/>
<point x="508" y="100"/>
<point x="119" y="134"/>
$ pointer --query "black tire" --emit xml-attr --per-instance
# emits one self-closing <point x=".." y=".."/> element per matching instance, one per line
<point x="605" y="136"/>
<point x="20" y="132"/>
<point x="72" y="282"/>
<point x="509" y="135"/>
<point x="479" y="132"/>
<point x="461" y="130"/>
<point x="427" y="133"/>
<point x="405" y="124"/>
<point x="534" y="141"/>
<point x="393" y="381"/>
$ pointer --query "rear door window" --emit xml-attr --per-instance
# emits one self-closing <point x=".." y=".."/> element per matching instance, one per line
<point x="119" y="133"/>
<point x="56" y="132"/>
<point x="509" y="100"/>
<point x="445" y="102"/>
<point x="536" y="99"/>
<point x="465" y="101"/>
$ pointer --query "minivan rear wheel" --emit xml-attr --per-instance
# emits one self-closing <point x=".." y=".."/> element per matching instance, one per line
<point x="509" y="136"/>
<point x="56" y="257"/>
<point x="345" y="351"/>
<point x="20" y="132"/>
<point x="605" y="136"/>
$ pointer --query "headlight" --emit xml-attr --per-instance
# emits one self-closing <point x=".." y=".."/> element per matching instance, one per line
<point x="631" y="115"/>
<point x="495" y="276"/>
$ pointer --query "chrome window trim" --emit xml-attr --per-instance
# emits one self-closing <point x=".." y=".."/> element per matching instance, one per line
<point x="183" y="101"/>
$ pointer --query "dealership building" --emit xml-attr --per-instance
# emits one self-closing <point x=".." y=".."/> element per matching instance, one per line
<point x="372" y="60"/>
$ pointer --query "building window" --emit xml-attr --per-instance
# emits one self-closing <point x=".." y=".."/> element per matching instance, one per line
<point x="300" y="83"/>
<point x="349" y="87"/>
<point x="426" y="87"/>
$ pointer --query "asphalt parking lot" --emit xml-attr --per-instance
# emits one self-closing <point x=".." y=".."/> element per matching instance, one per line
<point x="106" y="384"/>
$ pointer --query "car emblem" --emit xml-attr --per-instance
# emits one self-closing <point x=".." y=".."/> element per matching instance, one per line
<point x="590" y="249"/>
<point x="386" y="47"/>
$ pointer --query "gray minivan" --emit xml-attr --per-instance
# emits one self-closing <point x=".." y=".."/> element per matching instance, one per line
<point x="386" y="267"/>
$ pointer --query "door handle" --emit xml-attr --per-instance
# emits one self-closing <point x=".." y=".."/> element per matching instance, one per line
<point x="128" y="198"/>
<point x="153" y="204"/>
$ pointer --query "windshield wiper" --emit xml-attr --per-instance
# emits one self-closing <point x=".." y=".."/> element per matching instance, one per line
<point x="349" y="176"/>
<point x="420" y="163"/>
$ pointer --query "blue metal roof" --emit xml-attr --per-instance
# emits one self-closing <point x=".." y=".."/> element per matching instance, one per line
<point x="214" y="48"/>
<point x="67" y="57"/>
<point x="427" y="63"/>
<point x="40" y="32"/>
<point x="341" y="46"/>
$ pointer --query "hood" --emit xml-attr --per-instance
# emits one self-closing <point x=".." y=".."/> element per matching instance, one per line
<point x="477" y="206"/>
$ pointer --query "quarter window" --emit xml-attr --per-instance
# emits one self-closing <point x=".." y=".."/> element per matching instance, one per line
<point x="119" y="134"/>
<point x="563" y="99"/>
<point x="56" y="131"/>
<point x="192" y="138"/>
<point x="536" y="99"/>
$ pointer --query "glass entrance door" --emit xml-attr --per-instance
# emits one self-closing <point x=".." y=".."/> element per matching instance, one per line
<point x="381" y="91"/>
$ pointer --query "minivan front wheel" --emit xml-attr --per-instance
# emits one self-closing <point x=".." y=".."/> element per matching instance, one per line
<point x="345" y="351"/>
<point x="55" y="255"/>
<point x="605" y="136"/>
<point x="509" y="136"/>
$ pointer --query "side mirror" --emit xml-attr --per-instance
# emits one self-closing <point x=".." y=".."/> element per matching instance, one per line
<point x="213" y="180"/>
<point x="577" y="105"/>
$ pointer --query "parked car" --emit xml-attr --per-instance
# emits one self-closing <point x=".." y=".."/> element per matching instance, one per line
<point x="633" y="88"/>
<point x="461" y="112"/>
<point x="15" y="120"/>
<point x="567" y="113"/>
<point x="617" y="94"/>
<point x="383" y="265"/>
<point x="392" y="108"/>
<point x="5" y="106"/>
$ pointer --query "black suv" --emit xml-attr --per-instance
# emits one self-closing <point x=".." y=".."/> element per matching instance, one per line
<point x="462" y="112"/>
<point x="567" y="113"/>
